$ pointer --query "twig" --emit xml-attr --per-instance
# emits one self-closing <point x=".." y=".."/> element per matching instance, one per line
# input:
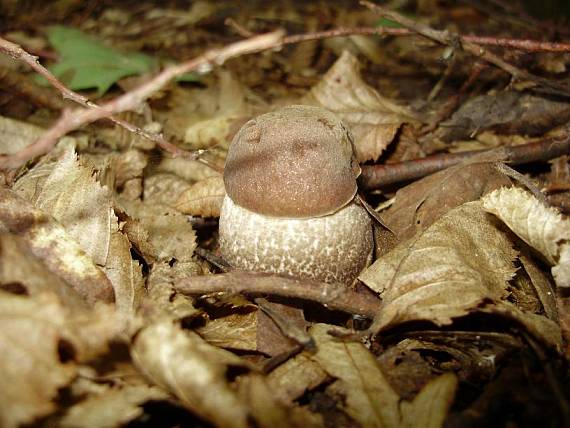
<point x="332" y="296"/>
<point x="378" y="176"/>
<point x="16" y="52"/>
<point x="454" y="40"/>
<point x="71" y="120"/>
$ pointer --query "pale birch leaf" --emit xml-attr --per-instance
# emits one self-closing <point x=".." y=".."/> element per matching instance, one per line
<point x="113" y="407"/>
<point x="373" y="119"/>
<point x="193" y="370"/>
<point x="74" y="198"/>
<point x="541" y="227"/>
<point x="31" y="330"/>
<point x="444" y="272"/>
<point x="430" y="407"/>
<point x="370" y="399"/>
<point x="203" y="199"/>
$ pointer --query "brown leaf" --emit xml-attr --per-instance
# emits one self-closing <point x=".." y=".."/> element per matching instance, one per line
<point x="49" y="242"/>
<point x="185" y="365"/>
<point x="296" y="376"/>
<point x="111" y="407"/>
<point x="444" y="272"/>
<point x="541" y="227"/>
<point x="370" y="399"/>
<point x="31" y="334"/>
<point x="373" y="119"/>
<point x="421" y="203"/>
<point x="429" y="408"/>
<point x="204" y="198"/>
<point x="125" y="274"/>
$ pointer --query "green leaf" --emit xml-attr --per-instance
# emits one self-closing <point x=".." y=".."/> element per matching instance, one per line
<point x="87" y="63"/>
<point x="385" y="22"/>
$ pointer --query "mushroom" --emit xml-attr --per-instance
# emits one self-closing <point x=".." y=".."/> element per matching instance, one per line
<point x="290" y="179"/>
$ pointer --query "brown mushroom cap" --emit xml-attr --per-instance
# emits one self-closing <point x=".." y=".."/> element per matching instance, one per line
<point x="296" y="162"/>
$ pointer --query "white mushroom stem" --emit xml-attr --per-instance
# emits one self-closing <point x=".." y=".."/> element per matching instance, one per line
<point x="331" y="248"/>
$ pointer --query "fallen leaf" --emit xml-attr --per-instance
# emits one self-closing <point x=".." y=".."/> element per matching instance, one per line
<point x="370" y="400"/>
<point x="203" y="199"/>
<point x="32" y="331"/>
<point x="165" y="188"/>
<point x="296" y="376"/>
<point x="373" y="119"/>
<point x="541" y="227"/>
<point x="430" y="407"/>
<point x="112" y="407"/>
<point x="87" y="63"/>
<point x="267" y="410"/>
<point x="23" y="273"/>
<point x="59" y="252"/>
<point x="193" y="370"/>
<point x="418" y="205"/>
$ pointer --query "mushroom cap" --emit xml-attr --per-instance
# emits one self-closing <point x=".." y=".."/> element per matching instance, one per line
<point x="333" y="248"/>
<point x="296" y="162"/>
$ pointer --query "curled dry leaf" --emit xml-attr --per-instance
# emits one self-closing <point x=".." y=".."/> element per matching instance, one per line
<point x="373" y="119"/>
<point x="449" y="270"/>
<point x="32" y="330"/>
<point x="112" y="407"/>
<point x="193" y="370"/>
<point x="88" y="216"/>
<point x="541" y="227"/>
<point x="50" y="242"/>
<point x="204" y="198"/>
<point x="370" y="399"/>
<point x="444" y="272"/>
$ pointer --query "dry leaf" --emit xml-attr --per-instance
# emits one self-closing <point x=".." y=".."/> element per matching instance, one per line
<point x="444" y="272"/>
<point x="164" y="188"/>
<point x="170" y="234"/>
<point x="204" y="198"/>
<point x="49" y="242"/>
<point x="370" y="400"/>
<point x="296" y="376"/>
<point x="267" y="410"/>
<point x="430" y="407"/>
<point x="373" y="119"/>
<point x="75" y="199"/>
<point x="541" y="227"/>
<point x="187" y="366"/>
<point x="421" y="203"/>
<point x="125" y="274"/>
<point x="23" y="273"/>
<point x="112" y="407"/>
<point x="236" y="331"/>
<point x="32" y="330"/>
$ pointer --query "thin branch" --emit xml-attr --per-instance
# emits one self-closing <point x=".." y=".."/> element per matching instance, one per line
<point x="378" y="176"/>
<point x="333" y="296"/>
<point x="454" y="40"/>
<point x="15" y="51"/>
<point x="72" y="120"/>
